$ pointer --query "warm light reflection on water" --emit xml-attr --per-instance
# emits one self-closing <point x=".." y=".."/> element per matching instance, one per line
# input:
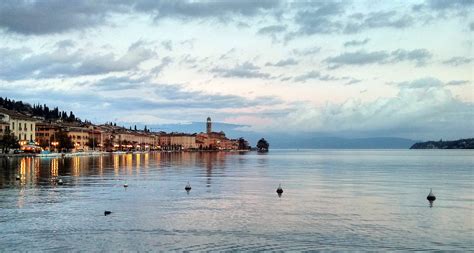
<point x="342" y="200"/>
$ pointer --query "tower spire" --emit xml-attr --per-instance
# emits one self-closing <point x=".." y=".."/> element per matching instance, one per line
<point x="209" y="125"/>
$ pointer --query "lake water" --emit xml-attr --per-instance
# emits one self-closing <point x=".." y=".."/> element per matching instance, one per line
<point x="333" y="199"/>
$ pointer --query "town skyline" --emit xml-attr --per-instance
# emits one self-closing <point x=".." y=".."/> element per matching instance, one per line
<point x="357" y="69"/>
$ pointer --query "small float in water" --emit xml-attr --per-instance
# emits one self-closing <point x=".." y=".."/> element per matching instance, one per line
<point x="279" y="190"/>
<point x="187" y="187"/>
<point x="431" y="197"/>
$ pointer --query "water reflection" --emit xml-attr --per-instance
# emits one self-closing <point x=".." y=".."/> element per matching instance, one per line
<point x="43" y="171"/>
<point x="431" y="203"/>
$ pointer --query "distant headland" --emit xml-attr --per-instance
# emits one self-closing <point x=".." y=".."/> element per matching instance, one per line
<point x="458" y="144"/>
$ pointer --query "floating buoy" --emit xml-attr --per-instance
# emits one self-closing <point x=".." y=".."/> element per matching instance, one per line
<point x="431" y="196"/>
<point x="188" y="187"/>
<point x="279" y="190"/>
<point x="125" y="185"/>
<point x="107" y="213"/>
<point x="60" y="182"/>
<point x="18" y="177"/>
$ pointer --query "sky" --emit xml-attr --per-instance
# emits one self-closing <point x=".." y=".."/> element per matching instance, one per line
<point x="336" y="68"/>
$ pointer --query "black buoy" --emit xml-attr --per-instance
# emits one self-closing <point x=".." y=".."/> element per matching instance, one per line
<point x="107" y="213"/>
<point x="18" y="177"/>
<point x="125" y="185"/>
<point x="431" y="196"/>
<point x="279" y="190"/>
<point x="60" y="182"/>
<point x="188" y="187"/>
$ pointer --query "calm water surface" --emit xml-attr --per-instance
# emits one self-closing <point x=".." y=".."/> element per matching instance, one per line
<point x="333" y="199"/>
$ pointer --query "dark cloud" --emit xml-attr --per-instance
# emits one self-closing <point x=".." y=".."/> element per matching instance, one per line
<point x="390" y="19"/>
<point x="421" y="83"/>
<point x="457" y="61"/>
<point x="54" y="16"/>
<point x="309" y="24"/>
<point x="418" y="56"/>
<point x="164" y="63"/>
<point x="458" y="82"/>
<point x="272" y="29"/>
<point x="358" y="58"/>
<point x="245" y="70"/>
<point x="221" y="10"/>
<point x="283" y="63"/>
<point x="313" y="75"/>
<point x="61" y="62"/>
<point x="429" y="82"/>
<point x="57" y="16"/>
<point x="325" y="17"/>
<point x="449" y="4"/>
<point x="442" y="9"/>
<point x="353" y="81"/>
<point x="353" y="43"/>
<point x="317" y="17"/>
<point x="65" y="44"/>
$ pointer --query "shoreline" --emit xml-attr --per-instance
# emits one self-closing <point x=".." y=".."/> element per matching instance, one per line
<point x="99" y="153"/>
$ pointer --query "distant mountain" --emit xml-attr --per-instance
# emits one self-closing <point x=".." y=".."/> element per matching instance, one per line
<point x="292" y="140"/>
<point x="458" y="144"/>
<point x="342" y="143"/>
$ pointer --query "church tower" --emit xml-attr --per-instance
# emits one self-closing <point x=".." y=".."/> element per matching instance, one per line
<point x="209" y="125"/>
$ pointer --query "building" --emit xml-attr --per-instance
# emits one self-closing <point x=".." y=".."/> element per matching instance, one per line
<point x="20" y="125"/>
<point x="97" y="137"/>
<point x="79" y="137"/>
<point x="45" y="133"/>
<point x="115" y="138"/>
<point x="209" y="125"/>
<point x="177" y="141"/>
<point x="214" y="140"/>
<point x="4" y="124"/>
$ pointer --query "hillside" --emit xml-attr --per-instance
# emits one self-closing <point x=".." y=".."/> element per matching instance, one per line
<point x="41" y="111"/>
<point x="458" y="144"/>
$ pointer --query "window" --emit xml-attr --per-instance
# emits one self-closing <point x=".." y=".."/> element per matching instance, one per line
<point x="26" y="128"/>
<point x="19" y="136"/>
<point x="31" y="137"/>
<point x="31" y="127"/>
<point x="13" y="125"/>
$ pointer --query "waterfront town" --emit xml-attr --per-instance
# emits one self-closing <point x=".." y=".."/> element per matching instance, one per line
<point x="34" y="134"/>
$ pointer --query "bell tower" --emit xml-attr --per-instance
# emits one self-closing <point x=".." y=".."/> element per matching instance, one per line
<point x="209" y="125"/>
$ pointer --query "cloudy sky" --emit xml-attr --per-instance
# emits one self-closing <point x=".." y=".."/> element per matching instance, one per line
<point x="353" y="68"/>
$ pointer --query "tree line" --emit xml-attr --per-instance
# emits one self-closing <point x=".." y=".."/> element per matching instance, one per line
<point x="52" y="114"/>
